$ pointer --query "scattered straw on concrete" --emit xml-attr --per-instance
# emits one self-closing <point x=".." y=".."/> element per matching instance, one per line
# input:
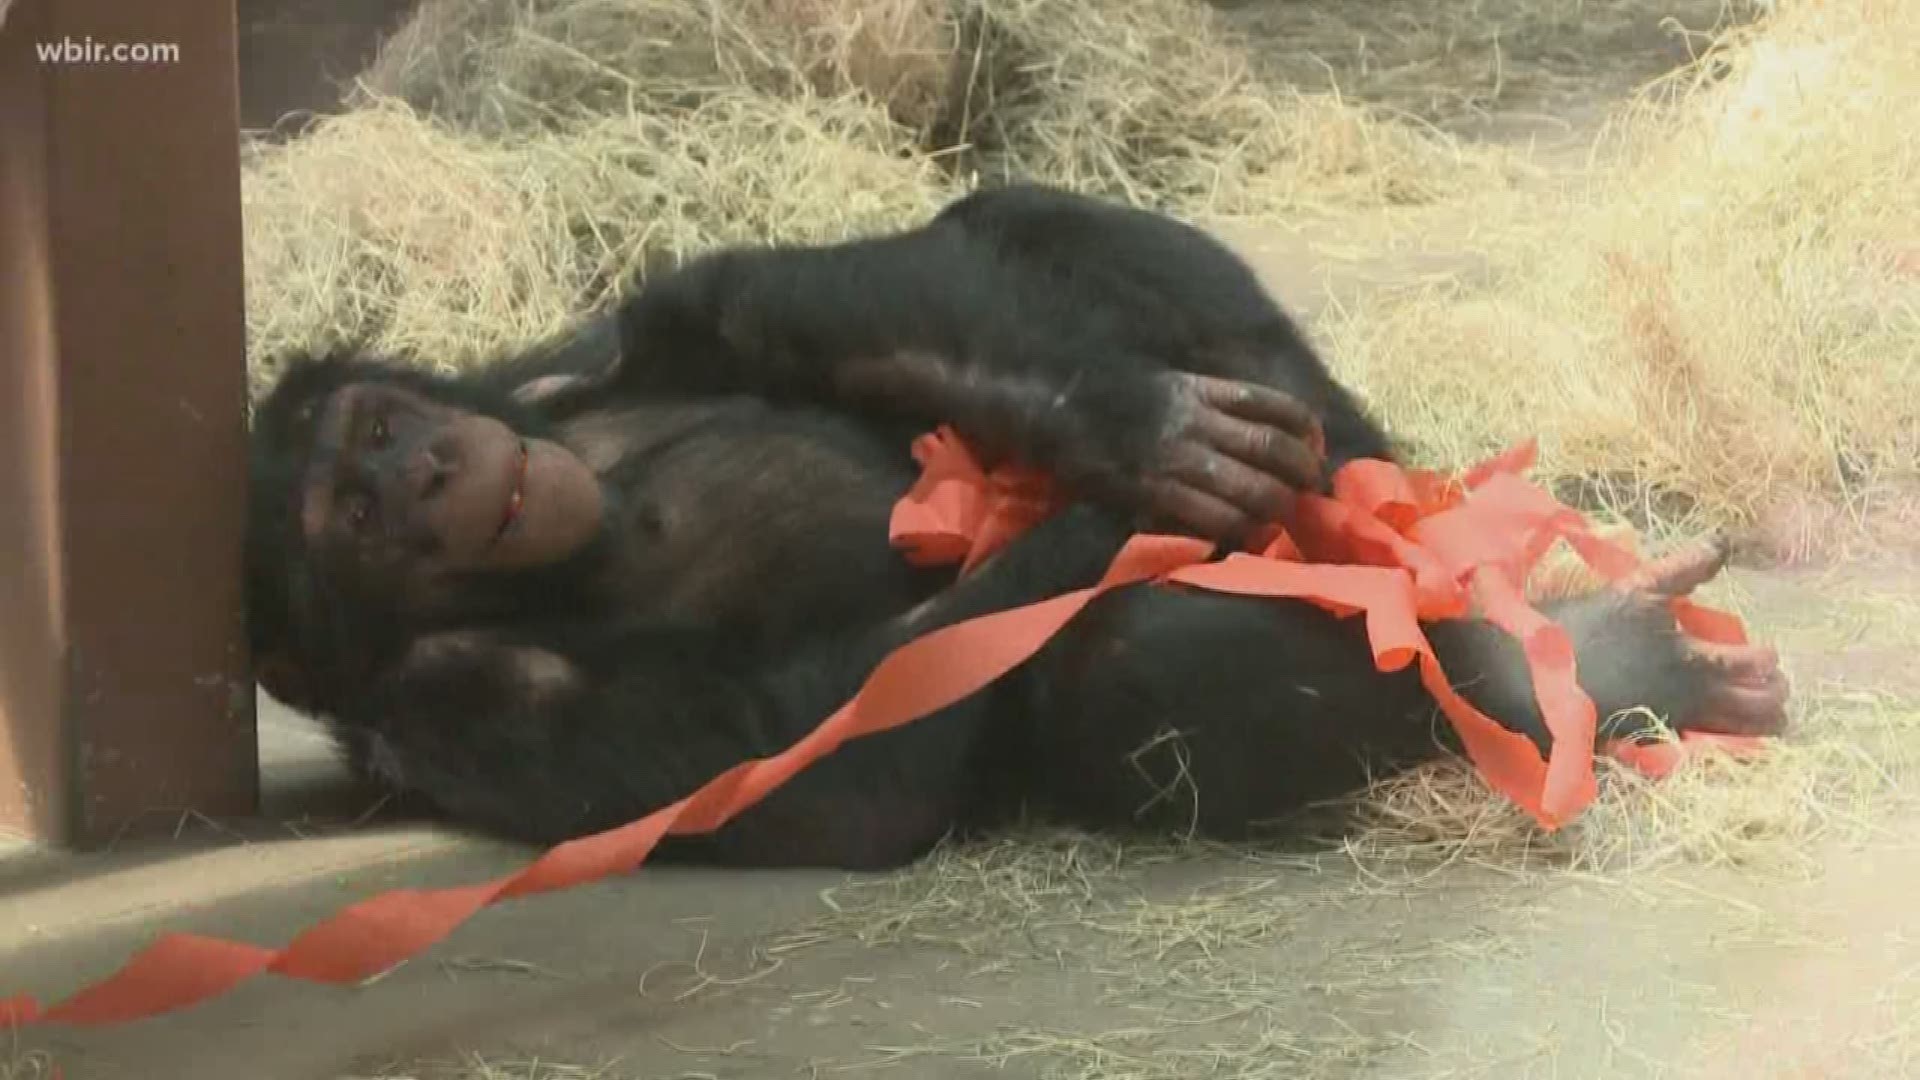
<point x="18" y="1064"/>
<point x="1766" y="814"/>
<point x="476" y="1067"/>
<point x="1151" y="1050"/>
<point x="1039" y="895"/>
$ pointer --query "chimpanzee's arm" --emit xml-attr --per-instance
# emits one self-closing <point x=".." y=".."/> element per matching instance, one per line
<point x="928" y="325"/>
<point x="935" y="326"/>
<point x="545" y="733"/>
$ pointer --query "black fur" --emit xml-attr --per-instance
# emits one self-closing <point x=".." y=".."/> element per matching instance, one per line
<point x="747" y="587"/>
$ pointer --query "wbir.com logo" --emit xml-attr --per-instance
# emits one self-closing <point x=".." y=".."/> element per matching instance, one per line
<point x="86" y="50"/>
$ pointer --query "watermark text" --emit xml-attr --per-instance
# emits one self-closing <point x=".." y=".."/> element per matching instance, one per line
<point x="86" y="50"/>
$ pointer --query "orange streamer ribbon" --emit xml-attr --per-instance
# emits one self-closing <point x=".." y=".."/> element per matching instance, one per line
<point x="1399" y="547"/>
<point x="1402" y="547"/>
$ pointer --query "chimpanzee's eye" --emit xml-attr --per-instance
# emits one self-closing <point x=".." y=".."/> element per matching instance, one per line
<point x="378" y="432"/>
<point x="301" y="426"/>
<point x="358" y="509"/>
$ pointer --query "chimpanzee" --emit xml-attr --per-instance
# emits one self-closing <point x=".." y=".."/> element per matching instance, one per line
<point x="552" y="594"/>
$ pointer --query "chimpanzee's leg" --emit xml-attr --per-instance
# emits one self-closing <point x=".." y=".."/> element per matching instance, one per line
<point x="1173" y="708"/>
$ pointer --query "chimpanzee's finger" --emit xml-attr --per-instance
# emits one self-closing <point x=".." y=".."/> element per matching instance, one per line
<point x="1257" y="495"/>
<point x="1266" y="448"/>
<point x="1752" y="665"/>
<point x="1251" y="401"/>
<point x="1741" y="709"/>
<point x="1204" y="514"/>
<point x="1682" y="571"/>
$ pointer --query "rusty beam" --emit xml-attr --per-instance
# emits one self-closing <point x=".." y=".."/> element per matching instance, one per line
<point x="124" y="688"/>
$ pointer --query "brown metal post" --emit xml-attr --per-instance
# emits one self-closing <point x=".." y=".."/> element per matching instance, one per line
<point x="124" y="684"/>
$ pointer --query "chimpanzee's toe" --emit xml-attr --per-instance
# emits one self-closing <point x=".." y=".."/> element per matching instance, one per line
<point x="1681" y="572"/>
<point x="1747" y="691"/>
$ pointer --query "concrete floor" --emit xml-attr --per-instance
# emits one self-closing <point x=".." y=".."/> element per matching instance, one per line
<point x="69" y="919"/>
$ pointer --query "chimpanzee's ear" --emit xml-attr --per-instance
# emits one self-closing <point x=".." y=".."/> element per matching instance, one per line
<point x="590" y="361"/>
<point x="558" y="396"/>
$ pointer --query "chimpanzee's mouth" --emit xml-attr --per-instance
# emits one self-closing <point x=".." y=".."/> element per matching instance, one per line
<point x="517" y="498"/>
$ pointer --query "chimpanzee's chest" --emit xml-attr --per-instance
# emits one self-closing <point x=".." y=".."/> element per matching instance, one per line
<point x="739" y="512"/>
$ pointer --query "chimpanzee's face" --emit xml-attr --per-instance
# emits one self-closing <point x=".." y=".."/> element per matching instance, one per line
<point x="379" y="501"/>
<point x="400" y="487"/>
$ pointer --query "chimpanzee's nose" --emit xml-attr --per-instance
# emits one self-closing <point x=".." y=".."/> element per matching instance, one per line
<point x="431" y="470"/>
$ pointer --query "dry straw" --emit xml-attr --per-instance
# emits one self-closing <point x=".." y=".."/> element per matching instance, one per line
<point x="1722" y="320"/>
<point x="477" y="1067"/>
<point x="513" y="161"/>
<point x="446" y="246"/>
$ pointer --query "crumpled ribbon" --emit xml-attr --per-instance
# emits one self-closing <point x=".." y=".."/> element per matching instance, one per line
<point x="959" y="511"/>
<point x="1401" y="546"/>
<point x="1398" y="547"/>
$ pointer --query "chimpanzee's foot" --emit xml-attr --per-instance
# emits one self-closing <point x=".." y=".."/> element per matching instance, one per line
<point x="1736" y="689"/>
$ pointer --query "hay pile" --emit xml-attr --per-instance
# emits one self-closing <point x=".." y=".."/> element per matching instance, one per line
<point x="1154" y="101"/>
<point x="1722" y="321"/>
<point x="441" y="244"/>
<point x="508" y="162"/>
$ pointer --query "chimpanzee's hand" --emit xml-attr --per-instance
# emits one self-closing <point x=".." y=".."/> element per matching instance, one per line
<point x="1217" y="458"/>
